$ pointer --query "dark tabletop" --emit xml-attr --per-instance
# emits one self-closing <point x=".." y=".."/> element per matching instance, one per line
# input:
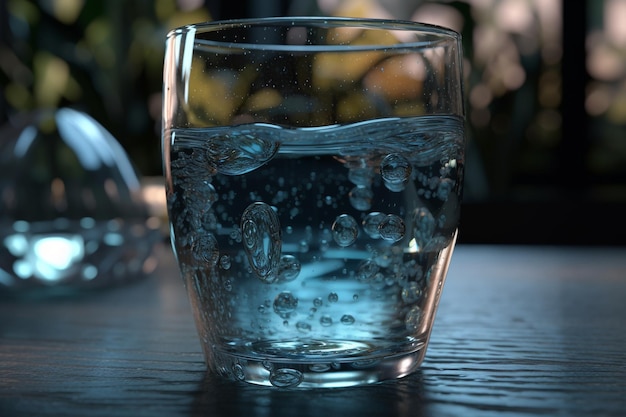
<point x="521" y="331"/>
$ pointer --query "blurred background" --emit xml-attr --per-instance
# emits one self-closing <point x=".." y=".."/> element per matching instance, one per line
<point x="545" y="85"/>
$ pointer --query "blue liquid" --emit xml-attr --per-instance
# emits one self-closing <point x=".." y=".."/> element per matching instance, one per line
<point x="315" y="257"/>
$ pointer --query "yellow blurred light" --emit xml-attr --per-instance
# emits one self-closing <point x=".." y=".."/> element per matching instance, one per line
<point x="186" y="18"/>
<point x="263" y="99"/>
<point x="67" y="11"/>
<point x="52" y="75"/>
<point x="354" y="107"/>
<point x="24" y="10"/>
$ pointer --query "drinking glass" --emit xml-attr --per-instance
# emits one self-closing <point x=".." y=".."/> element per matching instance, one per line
<point x="313" y="171"/>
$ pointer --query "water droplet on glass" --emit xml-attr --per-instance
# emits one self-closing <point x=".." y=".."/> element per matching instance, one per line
<point x="395" y="170"/>
<point x="286" y="378"/>
<point x="326" y="321"/>
<point x="371" y="222"/>
<point x="285" y="304"/>
<point x="413" y="319"/>
<point x="262" y="239"/>
<point x="361" y="197"/>
<point x="392" y="228"/>
<point x="423" y="227"/>
<point x="345" y="230"/>
<point x="347" y="319"/>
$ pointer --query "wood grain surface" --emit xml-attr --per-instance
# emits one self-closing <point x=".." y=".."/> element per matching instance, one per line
<point x="521" y="331"/>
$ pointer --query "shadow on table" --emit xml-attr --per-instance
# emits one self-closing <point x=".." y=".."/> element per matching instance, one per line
<point x="219" y="397"/>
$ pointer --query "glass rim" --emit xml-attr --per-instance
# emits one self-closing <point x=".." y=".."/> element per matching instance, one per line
<point x="440" y="33"/>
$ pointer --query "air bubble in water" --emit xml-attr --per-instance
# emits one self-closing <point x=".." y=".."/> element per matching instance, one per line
<point x="319" y="367"/>
<point x="413" y="319"/>
<point x="347" y="319"/>
<point x="333" y="297"/>
<point x="392" y="228"/>
<point x="318" y="302"/>
<point x="285" y="304"/>
<point x="411" y="292"/>
<point x="367" y="271"/>
<point x="326" y="321"/>
<point x="423" y="227"/>
<point x="361" y="197"/>
<point x="286" y="378"/>
<point x="345" y="230"/>
<point x="239" y="153"/>
<point x="235" y="234"/>
<point x="205" y="249"/>
<point x="225" y="262"/>
<point x="395" y="170"/>
<point x="361" y="176"/>
<point x="204" y="193"/>
<point x="371" y="222"/>
<point x="303" y="326"/>
<point x="239" y="372"/>
<point x="288" y="268"/>
<point x="446" y="185"/>
<point x="262" y="239"/>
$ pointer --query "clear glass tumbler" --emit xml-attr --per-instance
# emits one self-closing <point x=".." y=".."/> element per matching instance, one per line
<point x="313" y="170"/>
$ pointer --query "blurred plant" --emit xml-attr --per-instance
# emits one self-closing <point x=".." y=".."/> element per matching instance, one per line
<point x="102" y="57"/>
<point x="513" y="51"/>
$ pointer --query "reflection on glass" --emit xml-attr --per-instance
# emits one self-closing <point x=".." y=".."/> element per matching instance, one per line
<point x="71" y="212"/>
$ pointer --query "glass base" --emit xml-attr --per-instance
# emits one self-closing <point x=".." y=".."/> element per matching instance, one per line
<point x="318" y="372"/>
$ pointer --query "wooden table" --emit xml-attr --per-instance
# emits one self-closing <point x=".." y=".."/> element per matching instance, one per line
<point x="521" y="331"/>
